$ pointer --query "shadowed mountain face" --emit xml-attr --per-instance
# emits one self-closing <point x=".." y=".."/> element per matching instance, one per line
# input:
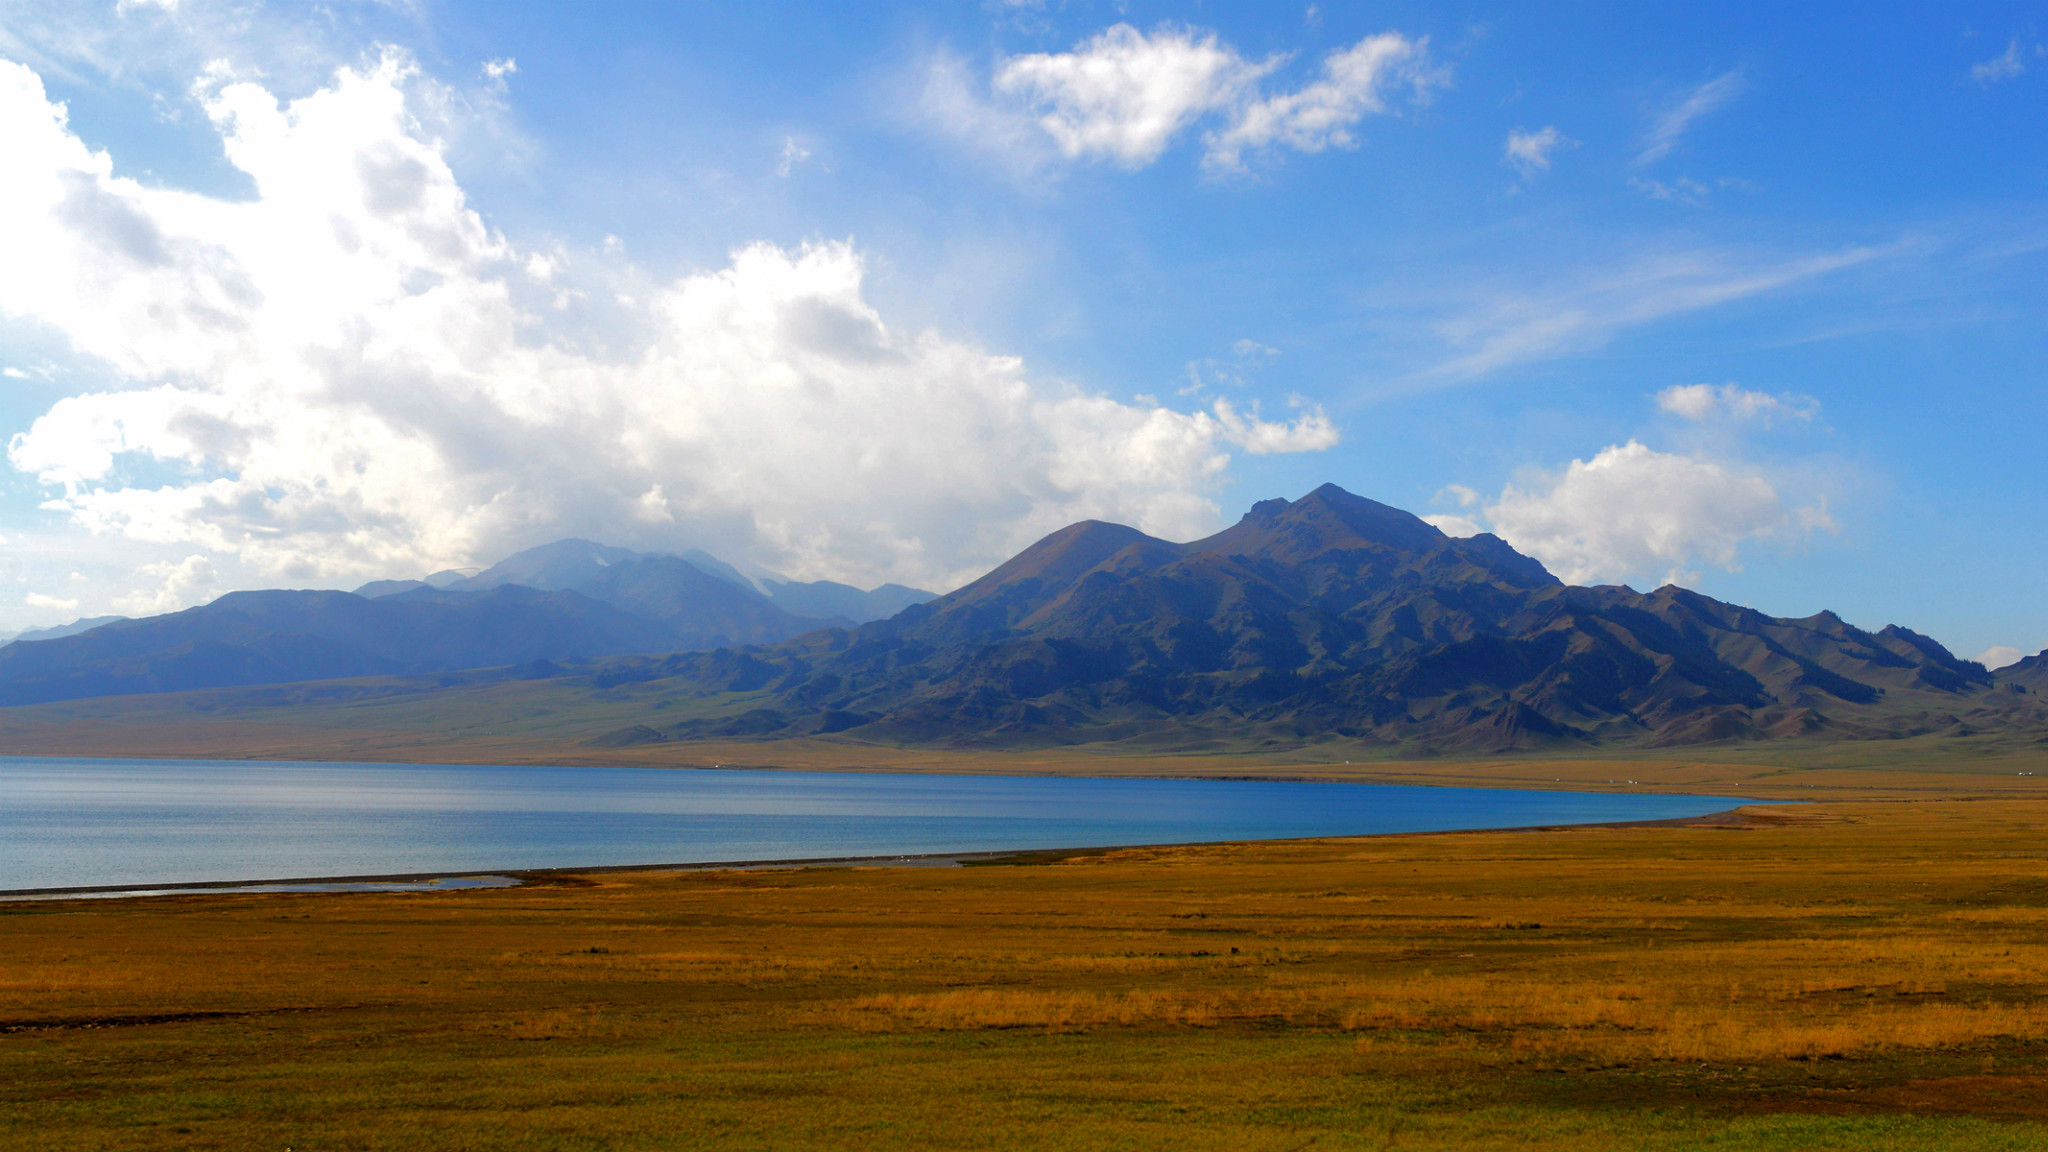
<point x="1331" y="616"/>
<point x="1328" y="618"/>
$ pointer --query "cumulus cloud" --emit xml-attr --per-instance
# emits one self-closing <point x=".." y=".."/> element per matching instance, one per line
<point x="1673" y="123"/>
<point x="169" y="586"/>
<point x="350" y="375"/>
<point x="1632" y="511"/>
<point x="1999" y="656"/>
<point x="1125" y="95"/>
<point x="1703" y="403"/>
<point x="1529" y="152"/>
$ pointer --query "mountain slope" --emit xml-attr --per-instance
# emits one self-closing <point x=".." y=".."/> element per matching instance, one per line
<point x="2030" y="674"/>
<point x="827" y="599"/>
<point x="573" y="599"/>
<point x="57" y="631"/>
<point x="705" y="602"/>
<point x="1331" y="616"/>
<point x="280" y="636"/>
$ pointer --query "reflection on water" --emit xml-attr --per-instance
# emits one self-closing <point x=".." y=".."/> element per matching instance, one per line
<point x="70" y="823"/>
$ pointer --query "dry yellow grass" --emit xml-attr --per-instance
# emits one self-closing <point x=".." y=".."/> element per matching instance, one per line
<point x="1845" y="975"/>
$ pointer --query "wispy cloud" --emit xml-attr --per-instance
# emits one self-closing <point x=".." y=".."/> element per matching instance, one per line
<point x="1703" y="403"/>
<point x="1355" y="81"/>
<point x="1675" y="122"/>
<point x="1578" y="316"/>
<point x="2004" y="67"/>
<point x="793" y="154"/>
<point x="1529" y="152"/>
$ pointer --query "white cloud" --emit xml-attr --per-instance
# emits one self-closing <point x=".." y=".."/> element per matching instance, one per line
<point x="1999" y="656"/>
<point x="1530" y="152"/>
<point x="349" y="375"/>
<point x="1631" y="511"/>
<point x="1998" y="68"/>
<point x="1665" y="133"/>
<point x="50" y="603"/>
<point x="1354" y="82"/>
<point x="169" y="586"/>
<point x="1702" y="403"/>
<point x="950" y="101"/>
<point x="1124" y="95"/>
<point x="793" y="154"/>
<point x="499" y="69"/>
<point x="1311" y="432"/>
<point x="1682" y="190"/>
<point x="1452" y="524"/>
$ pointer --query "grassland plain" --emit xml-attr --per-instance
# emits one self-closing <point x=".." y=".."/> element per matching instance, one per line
<point x="1848" y="974"/>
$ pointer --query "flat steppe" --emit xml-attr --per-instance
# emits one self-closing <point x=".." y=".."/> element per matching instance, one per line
<point x="1867" y="970"/>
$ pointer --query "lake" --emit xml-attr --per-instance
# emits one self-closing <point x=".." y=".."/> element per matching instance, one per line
<point x="74" y="823"/>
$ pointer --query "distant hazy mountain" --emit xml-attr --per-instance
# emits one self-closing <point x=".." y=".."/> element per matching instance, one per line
<point x="279" y="636"/>
<point x="57" y="630"/>
<point x="377" y="588"/>
<point x="1338" y="616"/>
<point x="569" y="600"/>
<point x="695" y="590"/>
<point x="825" y="598"/>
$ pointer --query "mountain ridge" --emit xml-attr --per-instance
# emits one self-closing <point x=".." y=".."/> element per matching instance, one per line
<point x="1327" y="618"/>
<point x="567" y="601"/>
<point x="1331" y="615"/>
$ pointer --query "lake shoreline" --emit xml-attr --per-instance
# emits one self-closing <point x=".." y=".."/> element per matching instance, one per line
<point x="527" y="877"/>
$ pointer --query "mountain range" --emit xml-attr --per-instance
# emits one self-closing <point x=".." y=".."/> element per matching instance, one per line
<point x="569" y="600"/>
<point x="1336" y="617"/>
<point x="1331" y="617"/>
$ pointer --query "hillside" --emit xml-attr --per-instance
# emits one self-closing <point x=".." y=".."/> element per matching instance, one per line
<point x="280" y="636"/>
<point x="1332" y="617"/>
<point x="571" y="600"/>
<point x="1329" y="620"/>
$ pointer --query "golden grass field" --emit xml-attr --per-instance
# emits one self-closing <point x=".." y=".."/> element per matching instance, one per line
<point x="1853" y="974"/>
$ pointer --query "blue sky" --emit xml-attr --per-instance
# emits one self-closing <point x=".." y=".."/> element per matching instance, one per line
<point x="1742" y="296"/>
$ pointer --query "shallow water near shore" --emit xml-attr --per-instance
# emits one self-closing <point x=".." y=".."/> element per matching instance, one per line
<point x="76" y="822"/>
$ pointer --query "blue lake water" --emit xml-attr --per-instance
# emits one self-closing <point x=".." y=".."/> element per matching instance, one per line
<point x="72" y="823"/>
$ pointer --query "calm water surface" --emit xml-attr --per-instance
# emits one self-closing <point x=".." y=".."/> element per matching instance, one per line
<point x="68" y="823"/>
